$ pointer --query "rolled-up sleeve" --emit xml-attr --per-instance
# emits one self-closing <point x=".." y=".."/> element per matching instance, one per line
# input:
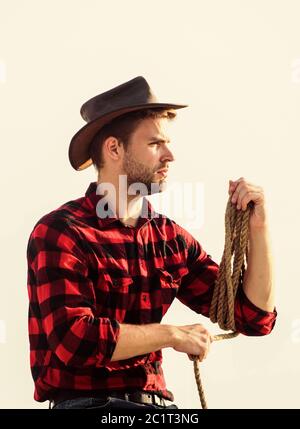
<point x="197" y="286"/>
<point x="62" y="299"/>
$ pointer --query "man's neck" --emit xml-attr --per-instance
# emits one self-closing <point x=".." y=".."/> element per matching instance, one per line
<point x="126" y="207"/>
<point x="129" y="213"/>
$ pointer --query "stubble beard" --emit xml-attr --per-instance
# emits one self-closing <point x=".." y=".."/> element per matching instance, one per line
<point x="138" y="172"/>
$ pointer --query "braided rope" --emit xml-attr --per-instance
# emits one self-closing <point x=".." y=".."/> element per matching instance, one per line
<point x="229" y="279"/>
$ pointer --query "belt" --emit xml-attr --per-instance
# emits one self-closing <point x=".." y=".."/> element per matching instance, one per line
<point x="148" y="398"/>
<point x="142" y="398"/>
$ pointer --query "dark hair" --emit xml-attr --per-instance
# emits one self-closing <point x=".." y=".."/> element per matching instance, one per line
<point x="122" y="128"/>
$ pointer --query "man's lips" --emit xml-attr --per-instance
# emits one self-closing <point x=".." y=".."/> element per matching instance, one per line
<point x="163" y="170"/>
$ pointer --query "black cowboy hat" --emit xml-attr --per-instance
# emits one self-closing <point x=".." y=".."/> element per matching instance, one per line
<point x="133" y="95"/>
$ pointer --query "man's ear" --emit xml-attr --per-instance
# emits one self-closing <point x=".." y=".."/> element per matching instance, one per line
<point x="113" y="147"/>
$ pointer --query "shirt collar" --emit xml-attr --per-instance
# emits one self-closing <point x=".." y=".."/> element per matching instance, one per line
<point x="92" y="200"/>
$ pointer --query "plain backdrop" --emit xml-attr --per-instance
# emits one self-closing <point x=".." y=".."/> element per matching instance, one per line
<point x="237" y="65"/>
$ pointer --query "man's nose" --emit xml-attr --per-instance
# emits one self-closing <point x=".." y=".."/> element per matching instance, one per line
<point x="168" y="155"/>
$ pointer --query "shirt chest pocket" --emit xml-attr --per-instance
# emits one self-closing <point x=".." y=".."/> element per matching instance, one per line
<point x="114" y="295"/>
<point x="167" y="286"/>
<point x="169" y="282"/>
<point x="171" y="278"/>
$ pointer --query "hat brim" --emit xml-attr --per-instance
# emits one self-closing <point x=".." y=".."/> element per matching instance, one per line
<point x="79" y="146"/>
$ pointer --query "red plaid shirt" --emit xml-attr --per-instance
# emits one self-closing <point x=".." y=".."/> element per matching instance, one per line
<point x="86" y="275"/>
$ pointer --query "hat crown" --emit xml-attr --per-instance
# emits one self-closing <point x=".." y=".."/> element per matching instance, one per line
<point x="132" y="93"/>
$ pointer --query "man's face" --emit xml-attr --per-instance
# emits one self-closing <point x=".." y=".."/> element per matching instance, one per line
<point x="148" y="151"/>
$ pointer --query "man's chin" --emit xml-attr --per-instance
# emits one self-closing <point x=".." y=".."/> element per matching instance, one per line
<point x="158" y="187"/>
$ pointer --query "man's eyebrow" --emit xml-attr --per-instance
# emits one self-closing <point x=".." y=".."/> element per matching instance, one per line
<point x="159" y="139"/>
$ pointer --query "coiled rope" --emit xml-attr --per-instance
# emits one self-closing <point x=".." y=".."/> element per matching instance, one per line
<point x="229" y="278"/>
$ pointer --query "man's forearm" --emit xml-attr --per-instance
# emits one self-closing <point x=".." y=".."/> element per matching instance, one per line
<point x="258" y="278"/>
<point x="135" y="340"/>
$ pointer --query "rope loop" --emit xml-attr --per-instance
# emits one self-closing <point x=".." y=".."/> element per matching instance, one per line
<point x="230" y="278"/>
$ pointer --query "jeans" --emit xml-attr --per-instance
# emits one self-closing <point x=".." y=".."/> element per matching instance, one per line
<point x="109" y="403"/>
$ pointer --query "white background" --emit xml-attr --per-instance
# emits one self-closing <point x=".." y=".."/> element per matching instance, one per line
<point x="236" y="64"/>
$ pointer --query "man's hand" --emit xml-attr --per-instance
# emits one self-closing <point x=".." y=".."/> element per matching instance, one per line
<point x="242" y="192"/>
<point x="192" y="339"/>
<point x="136" y="340"/>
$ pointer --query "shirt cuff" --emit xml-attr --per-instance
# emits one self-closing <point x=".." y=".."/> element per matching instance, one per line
<point x="111" y="332"/>
<point x="251" y="320"/>
<point x="253" y="307"/>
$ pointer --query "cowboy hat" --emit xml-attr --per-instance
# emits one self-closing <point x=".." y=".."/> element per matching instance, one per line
<point x="130" y="96"/>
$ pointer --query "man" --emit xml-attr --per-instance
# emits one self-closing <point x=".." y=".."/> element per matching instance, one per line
<point x="104" y="269"/>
